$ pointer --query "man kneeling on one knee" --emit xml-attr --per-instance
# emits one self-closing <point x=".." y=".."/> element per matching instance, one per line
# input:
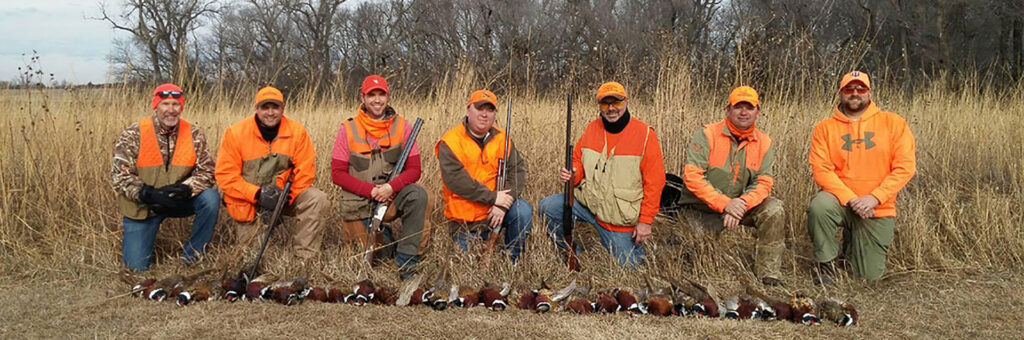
<point x="468" y="155"/>
<point x="162" y="168"/>
<point x="728" y="177"/>
<point x="257" y="154"/>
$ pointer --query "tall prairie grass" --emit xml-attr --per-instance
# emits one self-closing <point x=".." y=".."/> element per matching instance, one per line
<point x="962" y="210"/>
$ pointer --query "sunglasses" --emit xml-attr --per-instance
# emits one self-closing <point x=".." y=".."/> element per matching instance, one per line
<point x="858" y="90"/>
<point x="606" y="106"/>
<point x="172" y="94"/>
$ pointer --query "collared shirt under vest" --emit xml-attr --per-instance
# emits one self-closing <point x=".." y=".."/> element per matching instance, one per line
<point x="152" y="168"/>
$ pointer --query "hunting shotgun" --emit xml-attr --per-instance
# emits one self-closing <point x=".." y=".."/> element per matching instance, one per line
<point x="379" y="208"/>
<point x="492" y="239"/>
<point x="567" y="221"/>
<point x="274" y="217"/>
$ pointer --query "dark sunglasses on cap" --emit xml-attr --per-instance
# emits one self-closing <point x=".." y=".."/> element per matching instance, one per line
<point x="172" y="94"/>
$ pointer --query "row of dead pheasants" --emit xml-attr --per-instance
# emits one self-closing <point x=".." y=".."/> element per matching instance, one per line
<point x="680" y="298"/>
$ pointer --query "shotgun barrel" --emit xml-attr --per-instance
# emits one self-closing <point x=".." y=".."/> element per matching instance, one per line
<point x="379" y="208"/>
<point x="492" y="238"/>
<point x="567" y="220"/>
<point x="274" y="218"/>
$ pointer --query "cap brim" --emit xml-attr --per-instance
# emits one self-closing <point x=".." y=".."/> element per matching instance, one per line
<point x="477" y="103"/>
<point x="376" y="88"/>
<point x="855" y="81"/>
<point x="275" y="101"/>
<point x="616" y="95"/>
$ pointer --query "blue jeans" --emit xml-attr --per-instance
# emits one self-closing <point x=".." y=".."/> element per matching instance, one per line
<point x="139" y="235"/>
<point x="517" y="224"/>
<point x="620" y="245"/>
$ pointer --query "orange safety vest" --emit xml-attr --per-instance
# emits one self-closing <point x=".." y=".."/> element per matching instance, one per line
<point x="150" y="164"/>
<point x="370" y="163"/>
<point x="482" y="165"/>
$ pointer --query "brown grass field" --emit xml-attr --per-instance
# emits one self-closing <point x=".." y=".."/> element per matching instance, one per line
<point x="954" y="270"/>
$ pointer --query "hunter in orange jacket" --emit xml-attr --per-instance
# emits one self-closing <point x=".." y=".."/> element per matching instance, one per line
<point x="728" y="182"/>
<point x="256" y="156"/>
<point x="861" y="157"/>
<point x="618" y="173"/>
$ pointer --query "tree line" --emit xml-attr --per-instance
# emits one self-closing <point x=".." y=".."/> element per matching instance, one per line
<point x="550" y="45"/>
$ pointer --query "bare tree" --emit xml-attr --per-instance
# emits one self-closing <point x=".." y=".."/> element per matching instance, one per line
<point x="162" y="30"/>
<point x="315" y="24"/>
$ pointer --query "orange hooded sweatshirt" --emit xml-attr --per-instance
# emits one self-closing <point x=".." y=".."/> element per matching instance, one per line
<point x="873" y="154"/>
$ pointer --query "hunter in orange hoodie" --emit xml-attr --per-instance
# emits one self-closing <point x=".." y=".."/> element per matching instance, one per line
<point x="861" y="157"/>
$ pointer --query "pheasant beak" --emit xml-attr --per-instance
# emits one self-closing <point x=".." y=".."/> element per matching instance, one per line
<point x="679" y="309"/>
<point x="698" y="309"/>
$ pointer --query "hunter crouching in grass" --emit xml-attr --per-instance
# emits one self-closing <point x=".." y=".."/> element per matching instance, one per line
<point x="256" y="156"/>
<point x="728" y="182"/>
<point x="474" y="204"/>
<point x="861" y="157"/>
<point x="618" y="173"/>
<point x="162" y="168"/>
<point x="367" y="148"/>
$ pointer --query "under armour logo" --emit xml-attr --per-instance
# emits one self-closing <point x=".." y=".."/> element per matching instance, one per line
<point x="485" y="95"/>
<point x="855" y="74"/>
<point x="868" y="144"/>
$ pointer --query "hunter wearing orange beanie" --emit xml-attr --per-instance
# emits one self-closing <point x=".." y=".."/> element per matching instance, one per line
<point x="163" y="168"/>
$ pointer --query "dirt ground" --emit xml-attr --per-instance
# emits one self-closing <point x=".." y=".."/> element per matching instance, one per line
<point x="914" y="305"/>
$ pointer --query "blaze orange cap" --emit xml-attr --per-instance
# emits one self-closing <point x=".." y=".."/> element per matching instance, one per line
<point x="269" y="94"/>
<point x="855" y="76"/>
<point x="483" y="96"/>
<point x="375" y="82"/>
<point x="744" y="94"/>
<point x="612" y="88"/>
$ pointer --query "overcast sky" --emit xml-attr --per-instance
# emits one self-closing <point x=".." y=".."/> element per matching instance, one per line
<point x="69" y="45"/>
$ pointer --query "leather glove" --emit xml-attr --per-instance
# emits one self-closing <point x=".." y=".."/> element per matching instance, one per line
<point x="166" y="199"/>
<point x="267" y="196"/>
<point x="147" y="195"/>
<point x="179" y="192"/>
